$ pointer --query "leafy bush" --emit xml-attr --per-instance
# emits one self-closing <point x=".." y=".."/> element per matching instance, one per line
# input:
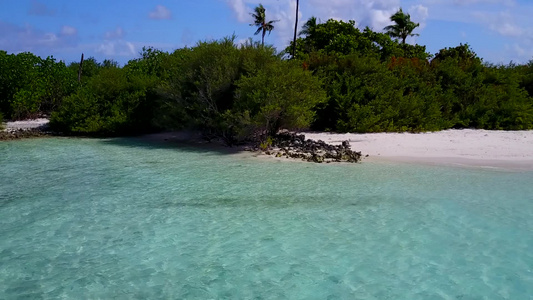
<point x="30" y="85"/>
<point x="200" y="85"/>
<point x="366" y="95"/>
<point x="280" y="95"/>
<point x="112" y="102"/>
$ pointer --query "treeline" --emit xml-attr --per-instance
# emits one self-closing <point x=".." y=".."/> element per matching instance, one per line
<point x="342" y="79"/>
<point x="377" y="84"/>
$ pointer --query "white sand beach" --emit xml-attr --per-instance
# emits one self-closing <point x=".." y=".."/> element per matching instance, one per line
<point x="27" y="124"/>
<point x="464" y="147"/>
<point x="512" y="150"/>
<point x="468" y="147"/>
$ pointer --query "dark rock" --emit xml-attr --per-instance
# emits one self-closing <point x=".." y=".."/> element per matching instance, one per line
<point x="15" y="134"/>
<point x="346" y="144"/>
<point x="296" y="146"/>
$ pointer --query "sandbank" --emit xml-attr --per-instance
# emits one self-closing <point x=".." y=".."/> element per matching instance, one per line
<point x="463" y="147"/>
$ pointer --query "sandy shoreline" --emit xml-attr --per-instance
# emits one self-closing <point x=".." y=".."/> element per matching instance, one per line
<point x="466" y="147"/>
<point x="510" y="150"/>
<point x="461" y="147"/>
<point x="27" y="124"/>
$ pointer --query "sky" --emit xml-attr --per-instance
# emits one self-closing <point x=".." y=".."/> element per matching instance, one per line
<point x="499" y="31"/>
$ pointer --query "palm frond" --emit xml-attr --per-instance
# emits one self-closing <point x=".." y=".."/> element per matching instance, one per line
<point x="403" y="26"/>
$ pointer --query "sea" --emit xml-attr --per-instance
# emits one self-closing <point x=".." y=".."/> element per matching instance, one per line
<point x="129" y="218"/>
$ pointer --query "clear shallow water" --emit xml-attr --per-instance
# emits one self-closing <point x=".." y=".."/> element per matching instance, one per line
<point x="82" y="218"/>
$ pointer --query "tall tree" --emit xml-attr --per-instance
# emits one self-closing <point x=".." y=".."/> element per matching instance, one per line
<point x="262" y="24"/>
<point x="295" y="30"/>
<point x="403" y="26"/>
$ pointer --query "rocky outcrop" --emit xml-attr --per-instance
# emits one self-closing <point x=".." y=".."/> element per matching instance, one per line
<point x="291" y="145"/>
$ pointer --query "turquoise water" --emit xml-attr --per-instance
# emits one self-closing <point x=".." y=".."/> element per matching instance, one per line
<point x="121" y="218"/>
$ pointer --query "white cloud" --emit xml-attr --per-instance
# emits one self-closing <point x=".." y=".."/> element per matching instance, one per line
<point x="470" y="2"/>
<point x="68" y="31"/>
<point x="116" y="48"/>
<point x="375" y="14"/>
<point x="16" y="38"/>
<point x="501" y="23"/>
<point x="48" y="39"/>
<point x="240" y="10"/>
<point x="160" y="13"/>
<point x="505" y="18"/>
<point x="284" y="27"/>
<point x="516" y="52"/>
<point x="115" y="34"/>
<point x="508" y="29"/>
<point x="419" y="14"/>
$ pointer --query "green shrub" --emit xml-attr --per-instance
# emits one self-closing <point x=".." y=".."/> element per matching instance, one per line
<point x="200" y="84"/>
<point x="112" y="102"/>
<point x="30" y="85"/>
<point x="265" y="145"/>
<point x="280" y="95"/>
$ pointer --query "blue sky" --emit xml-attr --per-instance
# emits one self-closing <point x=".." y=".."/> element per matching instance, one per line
<point x="499" y="31"/>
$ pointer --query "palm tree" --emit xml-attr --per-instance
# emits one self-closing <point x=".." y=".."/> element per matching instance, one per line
<point x="295" y="30"/>
<point x="261" y="22"/>
<point x="309" y="27"/>
<point x="403" y="26"/>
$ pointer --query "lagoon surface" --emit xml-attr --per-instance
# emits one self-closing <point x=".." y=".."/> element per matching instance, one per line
<point x="129" y="219"/>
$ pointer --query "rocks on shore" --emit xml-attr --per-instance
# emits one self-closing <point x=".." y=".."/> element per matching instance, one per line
<point x="291" y="145"/>
<point x="21" y="133"/>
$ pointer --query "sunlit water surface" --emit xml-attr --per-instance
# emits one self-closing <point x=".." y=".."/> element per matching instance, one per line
<point x="126" y="219"/>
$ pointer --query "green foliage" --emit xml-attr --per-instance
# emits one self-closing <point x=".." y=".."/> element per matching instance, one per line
<point x="461" y="54"/>
<point x="343" y="38"/>
<point x="280" y="95"/>
<point x="366" y="95"/>
<point x="115" y="101"/>
<point x="264" y="145"/>
<point x="343" y="79"/>
<point x="1" y="121"/>
<point x="236" y="92"/>
<point x="455" y="90"/>
<point x="526" y="76"/>
<point x="200" y="86"/>
<point x="31" y="85"/>
<point x="90" y="68"/>
<point x="500" y="102"/>
<point x="152" y="62"/>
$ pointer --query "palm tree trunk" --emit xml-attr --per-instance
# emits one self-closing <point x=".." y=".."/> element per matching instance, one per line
<point x="263" y="37"/>
<point x="295" y="30"/>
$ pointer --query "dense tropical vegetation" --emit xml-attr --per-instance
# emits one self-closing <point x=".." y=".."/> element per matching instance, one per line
<point x="342" y="78"/>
